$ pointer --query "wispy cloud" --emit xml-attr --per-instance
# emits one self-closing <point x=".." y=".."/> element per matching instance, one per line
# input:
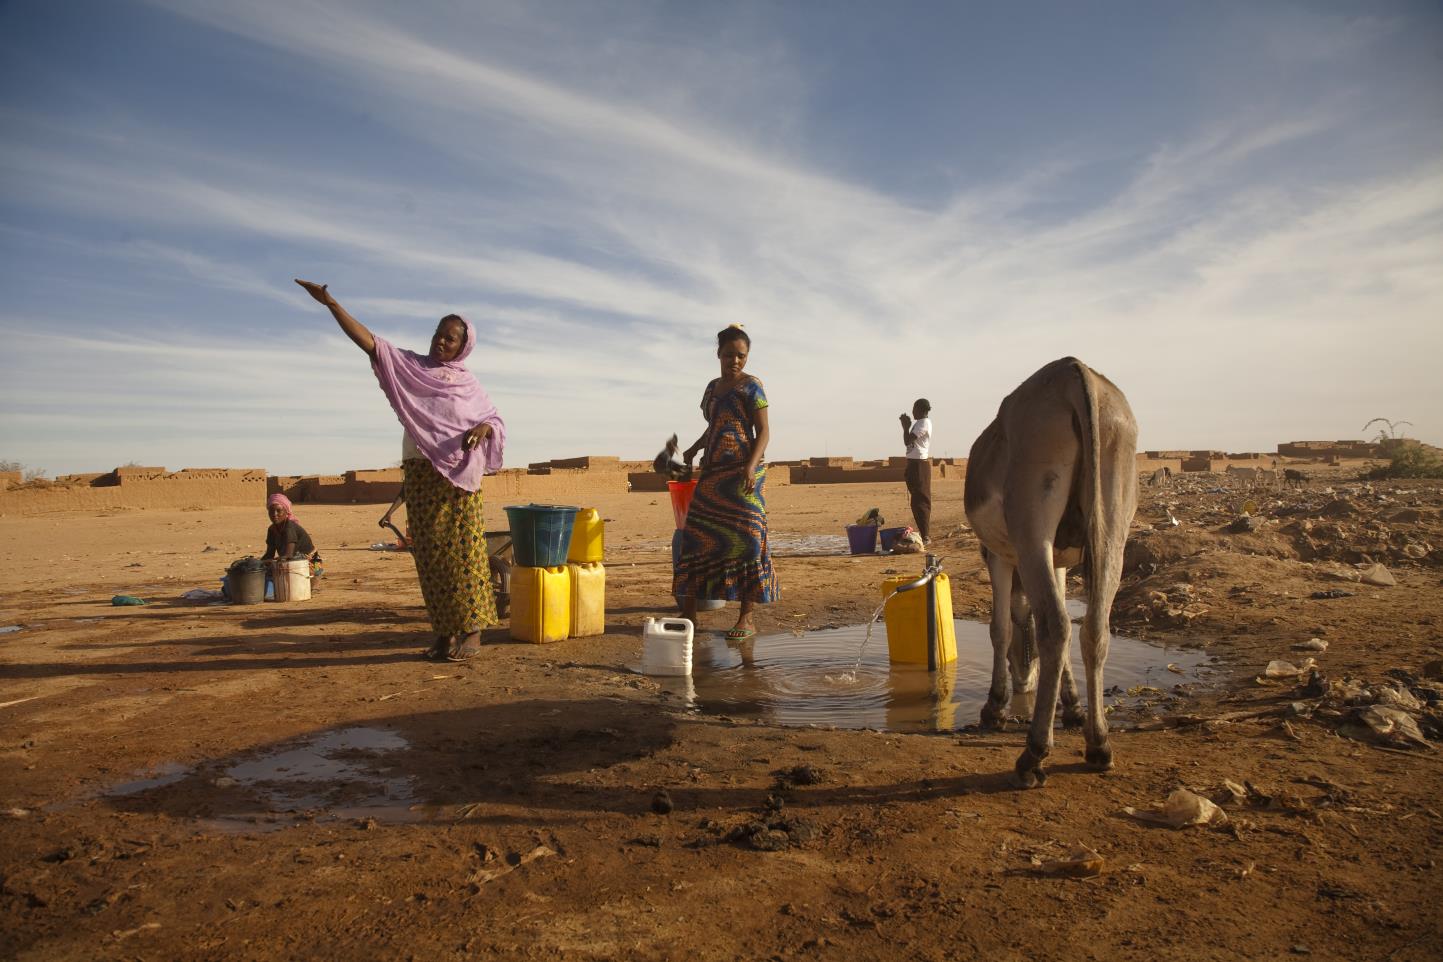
<point x="601" y="231"/>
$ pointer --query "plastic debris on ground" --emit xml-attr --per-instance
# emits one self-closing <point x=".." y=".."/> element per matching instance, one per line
<point x="1081" y="862"/>
<point x="1182" y="808"/>
<point x="201" y="594"/>
<point x="1286" y="669"/>
<point x="6" y="629"/>
<point x="122" y="601"/>
<point x="1388" y="726"/>
<point x="1312" y="644"/>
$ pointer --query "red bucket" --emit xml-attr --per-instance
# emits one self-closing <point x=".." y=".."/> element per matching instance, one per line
<point x="681" y="492"/>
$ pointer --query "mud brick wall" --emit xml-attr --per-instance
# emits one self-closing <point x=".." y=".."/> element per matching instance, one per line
<point x="140" y="487"/>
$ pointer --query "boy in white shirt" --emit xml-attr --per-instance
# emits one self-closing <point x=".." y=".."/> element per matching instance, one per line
<point x="917" y="436"/>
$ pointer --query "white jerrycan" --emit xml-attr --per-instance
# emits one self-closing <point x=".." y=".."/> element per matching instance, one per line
<point x="666" y="646"/>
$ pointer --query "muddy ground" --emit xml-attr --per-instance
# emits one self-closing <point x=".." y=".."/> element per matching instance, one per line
<point x="524" y="782"/>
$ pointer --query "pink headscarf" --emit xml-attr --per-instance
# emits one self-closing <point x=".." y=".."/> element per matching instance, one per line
<point x="437" y="403"/>
<point x="284" y="503"/>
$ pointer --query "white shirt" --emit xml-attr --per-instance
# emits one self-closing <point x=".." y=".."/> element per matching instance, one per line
<point x="921" y="435"/>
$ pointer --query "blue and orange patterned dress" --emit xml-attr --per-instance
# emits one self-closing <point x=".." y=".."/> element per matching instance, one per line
<point x="724" y="552"/>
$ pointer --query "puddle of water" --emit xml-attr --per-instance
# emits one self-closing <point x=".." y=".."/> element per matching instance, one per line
<point x="165" y="774"/>
<point x="330" y="775"/>
<point x="808" y="679"/>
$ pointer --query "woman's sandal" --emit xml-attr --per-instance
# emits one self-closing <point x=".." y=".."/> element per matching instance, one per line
<point x="741" y="634"/>
<point x="468" y="647"/>
<point x="440" y="649"/>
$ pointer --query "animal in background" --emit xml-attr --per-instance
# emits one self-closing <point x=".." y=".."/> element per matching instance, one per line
<point x="669" y="462"/>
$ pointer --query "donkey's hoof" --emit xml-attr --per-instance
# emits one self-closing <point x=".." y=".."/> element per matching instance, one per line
<point x="1099" y="757"/>
<point x="1073" y="717"/>
<point x="994" y="717"/>
<point x="1029" y="773"/>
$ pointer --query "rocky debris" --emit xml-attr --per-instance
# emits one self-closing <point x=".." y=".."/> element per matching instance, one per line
<point x="661" y="803"/>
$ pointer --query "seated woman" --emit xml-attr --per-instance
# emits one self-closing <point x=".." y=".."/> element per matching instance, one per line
<point x="286" y="540"/>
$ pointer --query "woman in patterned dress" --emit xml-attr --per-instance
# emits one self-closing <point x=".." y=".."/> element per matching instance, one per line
<point x="724" y="552"/>
<point x="453" y="436"/>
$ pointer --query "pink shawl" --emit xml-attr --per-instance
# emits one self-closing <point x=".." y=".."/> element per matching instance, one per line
<point x="437" y="403"/>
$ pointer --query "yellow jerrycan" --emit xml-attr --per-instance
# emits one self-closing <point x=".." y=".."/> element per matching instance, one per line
<point x="588" y="598"/>
<point x="906" y="617"/>
<point x="587" y="537"/>
<point x="540" y="604"/>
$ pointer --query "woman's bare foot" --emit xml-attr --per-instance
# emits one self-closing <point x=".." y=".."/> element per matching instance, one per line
<point x="440" y="648"/>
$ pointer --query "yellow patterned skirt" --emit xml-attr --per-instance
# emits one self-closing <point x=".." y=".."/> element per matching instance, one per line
<point x="448" y="541"/>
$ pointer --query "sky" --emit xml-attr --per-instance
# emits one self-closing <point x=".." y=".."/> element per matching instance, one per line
<point x="1232" y="210"/>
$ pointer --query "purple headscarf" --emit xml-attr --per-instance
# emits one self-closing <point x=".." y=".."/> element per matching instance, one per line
<point x="437" y="403"/>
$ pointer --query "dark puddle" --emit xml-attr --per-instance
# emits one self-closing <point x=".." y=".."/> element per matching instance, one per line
<point x="813" y="678"/>
<point x="344" y="774"/>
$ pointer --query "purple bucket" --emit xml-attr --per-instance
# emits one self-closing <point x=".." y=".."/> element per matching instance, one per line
<point x="862" y="538"/>
<point x="890" y="536"/>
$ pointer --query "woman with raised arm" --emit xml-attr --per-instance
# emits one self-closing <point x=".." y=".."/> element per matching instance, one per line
<point x="724" y="552"/>
<point x="453" y="436"/>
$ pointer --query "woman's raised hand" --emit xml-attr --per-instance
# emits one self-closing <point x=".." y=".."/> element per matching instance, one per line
<point x="318" y="291"/>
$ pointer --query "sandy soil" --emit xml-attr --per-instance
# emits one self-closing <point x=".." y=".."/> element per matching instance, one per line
<point x="536" y="768"/>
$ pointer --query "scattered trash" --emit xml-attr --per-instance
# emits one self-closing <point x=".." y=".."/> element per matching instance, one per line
<point x="121" y="601"/>
<point x="513" y="862"/>
<point x="1396" y="696"/>
<point x="1331" y="593"/>
<point x="1082" y="862"/>
<point x="1286" y="669"/>
<point x="1182" y="808"/>
<point x="202" y="594"/>
<point x="661" y="803"/>
<point x="1378" y="575"/>
<point x="1390" y="726"/>
<point x="7" y="629"/>
<point x="1312" y="644"/>
<point x="1242" y="525"/>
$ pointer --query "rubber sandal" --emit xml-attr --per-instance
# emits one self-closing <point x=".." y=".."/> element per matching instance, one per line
<point x="741" y="634"/>
<point x="440" y="650"/>
<point x="465" y="650"/>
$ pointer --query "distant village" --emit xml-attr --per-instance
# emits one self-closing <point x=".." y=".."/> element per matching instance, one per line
<point x="557" y="480"/>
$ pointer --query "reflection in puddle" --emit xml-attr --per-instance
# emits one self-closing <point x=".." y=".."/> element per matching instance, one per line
<point x="329" y="775"/>
<point x="808" y="679"/>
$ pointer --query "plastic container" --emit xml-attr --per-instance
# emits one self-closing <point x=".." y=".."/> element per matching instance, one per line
<point x="702" y="604"/>
<point x="906" y="617"/>
<point x="681" y="492"/>
<point x="293" y="580"/>
<point x="862" y="538"/>
<point x="587" y="536"/>
<point x="588" y="598"/>
<point x="246" y="580"/>
<point x="888" y="537"/>
<point x="540" y="604"/>
<point x="541" y="533"/>
<point x="666" y="646"/>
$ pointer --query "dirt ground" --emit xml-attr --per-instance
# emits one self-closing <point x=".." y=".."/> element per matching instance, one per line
<point x="536" y="769"/>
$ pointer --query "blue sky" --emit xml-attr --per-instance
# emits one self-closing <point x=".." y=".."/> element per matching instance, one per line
<point x="1235" y="211"/>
